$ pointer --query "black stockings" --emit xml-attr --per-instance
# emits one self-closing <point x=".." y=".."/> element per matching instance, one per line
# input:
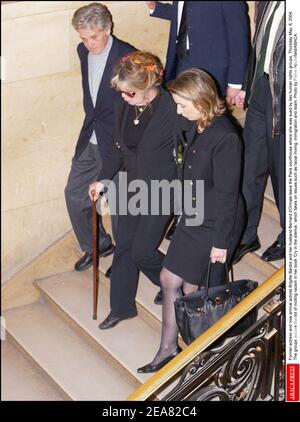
<point x="172" y="287"/>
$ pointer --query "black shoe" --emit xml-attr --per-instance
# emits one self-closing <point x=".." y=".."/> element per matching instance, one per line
<point x="106" y="251"/>
<point x="153" y="368"/>
<point x="108" y="272"/>
<point x="111" y="321"/>
<point x="274" y="252"/>
<point x="158" y="298"/>
<point x="172" y="229"/>
<point x="84" y="262"/>
<point x="245" y="248"/>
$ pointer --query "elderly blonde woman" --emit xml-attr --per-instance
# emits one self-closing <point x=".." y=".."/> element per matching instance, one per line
<point x="214" y="155"/>
<point x="144" y="148"/>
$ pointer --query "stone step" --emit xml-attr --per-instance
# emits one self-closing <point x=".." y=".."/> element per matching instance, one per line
<point x="130" y="344"/>
<point x="72" y="294"/>
<point x="269" y="194"/>
<point x="72" y="365"/>
<point x="270" y="208"/>
<point x="21" y="381"/>
<point x="69" y="296"/>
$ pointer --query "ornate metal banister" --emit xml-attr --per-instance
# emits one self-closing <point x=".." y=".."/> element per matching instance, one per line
<point x="191" y="352"/>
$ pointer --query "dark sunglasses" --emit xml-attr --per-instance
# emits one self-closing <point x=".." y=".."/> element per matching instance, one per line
<point x="127" y="93"/>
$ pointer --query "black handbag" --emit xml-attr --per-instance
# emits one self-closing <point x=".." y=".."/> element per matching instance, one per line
<point x="198" y="311"/>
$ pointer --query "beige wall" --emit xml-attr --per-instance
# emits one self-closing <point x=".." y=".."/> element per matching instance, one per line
<point x="42" y="115"/>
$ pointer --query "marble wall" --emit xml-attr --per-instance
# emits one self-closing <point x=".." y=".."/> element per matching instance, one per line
<point x="42" y="114"/>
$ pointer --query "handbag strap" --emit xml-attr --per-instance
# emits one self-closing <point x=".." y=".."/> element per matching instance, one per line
<point x="231" y="273"/>
<point x="172" y="124"/>
<point x="177" y="140"/>
<point x="208" y="276"/>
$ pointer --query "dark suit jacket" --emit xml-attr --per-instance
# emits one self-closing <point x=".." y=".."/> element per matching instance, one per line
<point x="277" y="68"/>
<point x="153" y="158"/>
<point x="218" y="34"/>
<point x="215" y="156"/>
<point x="101" y="117"/>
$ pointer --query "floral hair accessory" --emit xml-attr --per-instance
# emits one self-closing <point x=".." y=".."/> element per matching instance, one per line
<point x="125" y="58"/>
<point x="153" y="68"/>
<point x="150" y="67"/>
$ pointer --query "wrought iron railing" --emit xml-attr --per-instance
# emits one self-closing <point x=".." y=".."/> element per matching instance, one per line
<point x="248" y="367"/>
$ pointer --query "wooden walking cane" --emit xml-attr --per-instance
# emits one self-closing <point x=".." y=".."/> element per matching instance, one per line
<point x="95" y="256"/>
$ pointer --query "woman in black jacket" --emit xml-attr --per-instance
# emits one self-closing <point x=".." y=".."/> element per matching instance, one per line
<point x="213" y="154"/>
<point x="143" y="148"/>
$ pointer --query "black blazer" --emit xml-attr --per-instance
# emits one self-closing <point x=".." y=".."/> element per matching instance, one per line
<point x="215" y="156"/>
<point x="218" y="34"/>
<point x="154" y="156"/>
<point x="101" y="117"/>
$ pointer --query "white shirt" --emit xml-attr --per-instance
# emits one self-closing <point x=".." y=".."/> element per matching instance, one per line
<point x="179" y="14"/>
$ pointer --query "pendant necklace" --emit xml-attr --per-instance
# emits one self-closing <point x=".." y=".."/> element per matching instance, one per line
<point x="141" y="110"/>
<point x="200" y="130"/>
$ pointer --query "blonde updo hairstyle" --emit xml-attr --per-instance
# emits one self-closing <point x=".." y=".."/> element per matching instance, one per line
<point x="197" y="86"/>
<point x="139" y="70"/>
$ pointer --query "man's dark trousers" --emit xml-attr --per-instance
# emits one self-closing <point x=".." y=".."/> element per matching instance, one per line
<point x="264" y="155"/>
<point x="85" y="170"/>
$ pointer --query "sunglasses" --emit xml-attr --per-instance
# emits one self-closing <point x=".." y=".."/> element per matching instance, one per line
<point x="127" y="93"/>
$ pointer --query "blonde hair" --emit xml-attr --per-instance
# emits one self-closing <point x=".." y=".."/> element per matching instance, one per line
<point x="197" y="86"/>
<point x="138" y="70"/>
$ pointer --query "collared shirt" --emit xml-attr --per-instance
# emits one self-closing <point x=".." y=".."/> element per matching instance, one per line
<point x="96" y="66"/>
<point x="179" y="14"/>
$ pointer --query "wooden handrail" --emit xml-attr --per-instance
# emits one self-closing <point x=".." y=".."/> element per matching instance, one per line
<point x="206" y="339"/>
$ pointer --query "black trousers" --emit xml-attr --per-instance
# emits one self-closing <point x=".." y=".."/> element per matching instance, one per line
<point x="264" y="156"/>
<point x="84" y="171"/>
<point x="136" y="249"/>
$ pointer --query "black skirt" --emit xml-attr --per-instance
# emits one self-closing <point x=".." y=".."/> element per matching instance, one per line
<point x="189" y="251"/>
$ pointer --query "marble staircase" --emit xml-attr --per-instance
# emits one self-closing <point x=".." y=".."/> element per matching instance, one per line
<point x="55" y="347"/>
